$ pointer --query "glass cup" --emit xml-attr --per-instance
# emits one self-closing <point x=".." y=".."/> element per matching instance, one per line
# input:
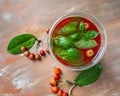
<point x="102" y="32"/>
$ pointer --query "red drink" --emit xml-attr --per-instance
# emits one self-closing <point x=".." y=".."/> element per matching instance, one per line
<point x="75" y="41"/>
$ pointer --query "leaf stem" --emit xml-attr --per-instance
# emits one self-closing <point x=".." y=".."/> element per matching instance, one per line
<point x="70" y="82"/>
<point x="71" y="89"/>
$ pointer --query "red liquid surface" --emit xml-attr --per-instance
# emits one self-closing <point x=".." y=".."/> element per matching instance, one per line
<point x="86" y="59"/>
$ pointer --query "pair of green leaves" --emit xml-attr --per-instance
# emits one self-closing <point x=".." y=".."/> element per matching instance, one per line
<point x="87" y="38"/>
<point x="72" y="27"/>
<point x="17" y="42"/>
<point x="83" y="39"/>
<point x="67" y="42"/>
<point x="91" y="34"/>
<point x="64" y="48"/>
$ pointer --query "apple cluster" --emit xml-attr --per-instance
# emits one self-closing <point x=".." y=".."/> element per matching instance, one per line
<point x="33" y="56"/>
<point x="54" y="83"/>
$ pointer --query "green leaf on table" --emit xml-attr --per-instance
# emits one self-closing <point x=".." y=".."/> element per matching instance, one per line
<point x="85" y="44"/>
<point x="63" y="42"/>
<point x="91" y="34"/>
<point x="82" y="26"/>
<point x="89" y="76"/>
<point x="69" y="28"/>
<point x="17" y="42"/>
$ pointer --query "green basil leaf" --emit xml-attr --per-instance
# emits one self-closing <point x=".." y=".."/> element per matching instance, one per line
<point x="58" y="39"/>
<point x="71" y="55"/>
<point x="91" y="34"/>
<point x="59" y="51"/>
<point x="69" y="28"/>
<point x="76" y="36"/>
<point x="17" y="42"/>
<point x="74" y="56"/>
<point x="85" y="44"/>
<point x="63" y="42"/>
<point x="89" y="76"/>
<point x="82" y="26"/>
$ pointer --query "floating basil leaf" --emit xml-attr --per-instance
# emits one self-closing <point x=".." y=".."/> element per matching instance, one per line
<point x="59" y="51"/>
<point x="69" y="28"/>
<point x="21" y="40"/>
<point x="83" y="44"/>
<point x="71" y="55"/>
<point x="91" y="34"/>
<point x="89" y="76"/>
<point x="82" y="26"/>
<point x="75" y="36"/>
<point x="74" y="56"/>
<point x="58" y="39"/>
<point x="73" y="52"/>
<point x="63" y="42"/>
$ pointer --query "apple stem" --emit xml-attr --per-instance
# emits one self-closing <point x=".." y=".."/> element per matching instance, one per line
<point x="38" y="40"/>
<point x="38" y="44"/>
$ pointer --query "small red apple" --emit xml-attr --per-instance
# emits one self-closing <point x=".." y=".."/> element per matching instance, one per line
<point x="54" y="89"/>
<point x="60" y="92"/>
<point x="57" y="70"/>
<point x="27" y="53"/>
<point x="23" y="49"/>
<point x="32" y="56"/>
<point x="53" y="82"/>
<point x="42" y="52"/>
<point x="57" y="77"/>
<point x="37" y="57"/>
<point x="47" y="30"/>
<point x="86" y="25"/>
<point x="65" y="94"/>
<point x="47" y="50"/>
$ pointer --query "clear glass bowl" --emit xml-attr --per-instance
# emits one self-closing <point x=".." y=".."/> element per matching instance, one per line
<point x="101" y="29"/>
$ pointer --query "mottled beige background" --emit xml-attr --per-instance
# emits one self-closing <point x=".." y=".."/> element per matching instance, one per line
<point x="20" y="76"/>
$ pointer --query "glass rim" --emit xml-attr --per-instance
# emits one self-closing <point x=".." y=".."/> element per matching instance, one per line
<point x="101" y="50"/>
